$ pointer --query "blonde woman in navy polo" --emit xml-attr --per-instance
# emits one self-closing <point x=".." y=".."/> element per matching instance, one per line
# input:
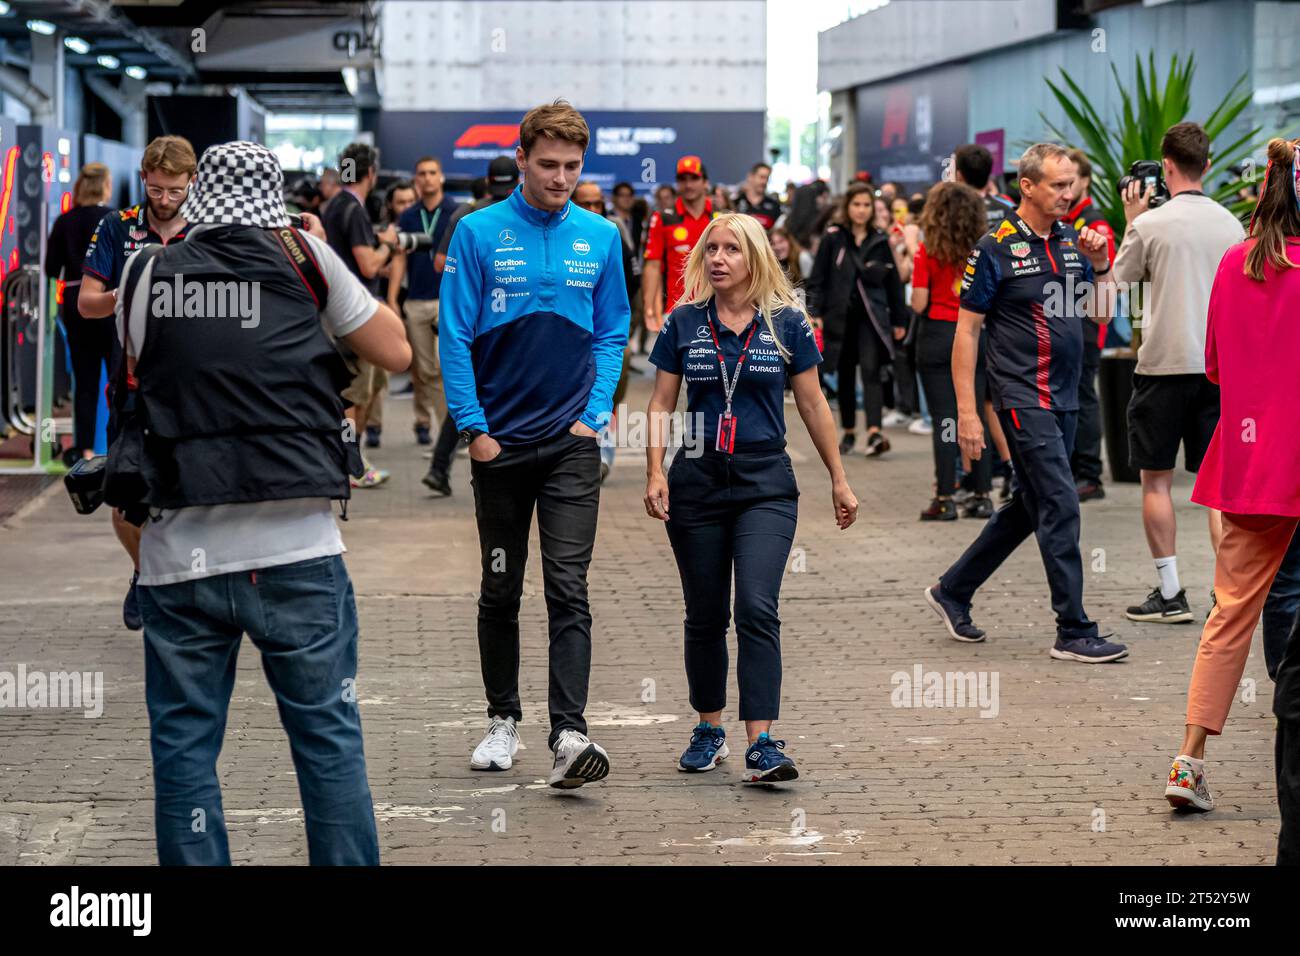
<point x="736" y="338"/>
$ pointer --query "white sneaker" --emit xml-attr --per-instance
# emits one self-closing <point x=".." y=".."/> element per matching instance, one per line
<point x="920" y="426"/>
<point x="894" y="419"/>
<point x="577" y="761"/>
<point x="496" y="751"/>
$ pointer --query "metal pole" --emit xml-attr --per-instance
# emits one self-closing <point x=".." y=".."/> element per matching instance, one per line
<point x="44" y="383"/>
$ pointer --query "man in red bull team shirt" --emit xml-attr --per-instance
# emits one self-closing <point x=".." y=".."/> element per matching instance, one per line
<point x="671" y="237"/>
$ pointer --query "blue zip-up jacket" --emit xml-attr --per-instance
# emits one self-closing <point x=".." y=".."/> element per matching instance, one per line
<point x="533" y="322"/>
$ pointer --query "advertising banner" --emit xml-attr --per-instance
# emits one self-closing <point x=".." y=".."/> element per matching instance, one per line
<point x="639" y="147"/>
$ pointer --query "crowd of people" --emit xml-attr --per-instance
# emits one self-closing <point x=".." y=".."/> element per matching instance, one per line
<point x="939" y="311"/>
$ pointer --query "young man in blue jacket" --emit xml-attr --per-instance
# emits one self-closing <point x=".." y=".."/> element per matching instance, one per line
<point x="534" y="321"/>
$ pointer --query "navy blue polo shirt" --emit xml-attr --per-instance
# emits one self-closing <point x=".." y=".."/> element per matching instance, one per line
<point x="422" y="280"/>
<point x="1028" y="289"/>
<point x="685" y="347"/>
<point x="118" y="236"/>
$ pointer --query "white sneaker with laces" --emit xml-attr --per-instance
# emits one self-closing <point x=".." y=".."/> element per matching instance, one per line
<point x="496" y="751"/>
<point x="577" y="761"/>
<point x="894" y="419"/>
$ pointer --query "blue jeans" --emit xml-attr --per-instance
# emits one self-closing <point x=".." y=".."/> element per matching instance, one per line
<point x="1281" y="608"/>
<point x="303" y="619"/>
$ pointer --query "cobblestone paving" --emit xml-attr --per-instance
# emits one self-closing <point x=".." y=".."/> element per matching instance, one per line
<point x="1069" y="769"/>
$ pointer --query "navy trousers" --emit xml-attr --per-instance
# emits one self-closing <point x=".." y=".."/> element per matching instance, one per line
<point x="1045" y="504"/>
<point x="733" y="513"/>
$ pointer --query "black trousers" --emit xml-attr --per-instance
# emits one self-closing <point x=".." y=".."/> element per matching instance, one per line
<point x="1044" y="504"/>
<point x="445" y="446"/>
<point x="1286" y="750"/>
<point x="561" y="479"/>
<point x="733" y="513"/>
<point x="91" y="343"/>
<point x="907" y="400"/>
<point x="861" y="347"/>
<point x="934" y="356"/>
<point x="1085" y="462"/>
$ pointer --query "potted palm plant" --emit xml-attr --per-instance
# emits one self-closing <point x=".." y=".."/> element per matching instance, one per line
<point x="1134" y="133"/>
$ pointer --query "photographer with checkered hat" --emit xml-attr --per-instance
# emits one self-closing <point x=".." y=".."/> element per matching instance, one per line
<point x="235" y="410"/>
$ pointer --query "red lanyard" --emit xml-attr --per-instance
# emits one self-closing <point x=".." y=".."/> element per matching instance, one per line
<point x="729" y="384"/>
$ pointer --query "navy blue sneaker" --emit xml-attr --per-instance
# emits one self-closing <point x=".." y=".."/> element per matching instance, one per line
<point x="422" y="436"/>
<point x="956" y="617"/>
<point x="372" y="436"/>
<point x="1089" y="650"/>
<point x="765" y="763"/>
<point x="708" y="746"/>
<point x="131" y="607"/>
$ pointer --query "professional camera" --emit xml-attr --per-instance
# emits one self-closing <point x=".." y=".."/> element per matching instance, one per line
<point x="85" y="484"/>
<point x="414" y="241"/>
<point x="1150" y="174"/>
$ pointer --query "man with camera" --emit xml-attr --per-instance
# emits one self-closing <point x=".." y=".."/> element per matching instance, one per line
<point x="365" y="253"/>
<point x="233" y="436"/>
<point x="420" y="229"/>
<point x="1172" y="244"/>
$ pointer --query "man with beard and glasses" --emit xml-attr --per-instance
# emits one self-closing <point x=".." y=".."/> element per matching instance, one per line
<point x="167" y="169"/>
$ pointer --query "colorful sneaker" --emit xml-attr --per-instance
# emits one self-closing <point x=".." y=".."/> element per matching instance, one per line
<point x="765" y="762"/>
<point x="577" y="761"/>
<point x="708" y="746"/>
<point x="1187" y="788"/>
<point x="496" y="751"/>
<point x="956" y="617"/>
<point x="373" y="478"/>
<point x="1088" y="650"/>
<point x="1156" y="610"/>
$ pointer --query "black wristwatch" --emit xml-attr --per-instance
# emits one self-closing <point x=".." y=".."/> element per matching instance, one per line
<point x="467" y="435"/>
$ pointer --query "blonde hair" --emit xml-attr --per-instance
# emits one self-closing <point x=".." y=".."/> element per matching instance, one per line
<point x="769" y="287"/>
<point x="91" y="184"/>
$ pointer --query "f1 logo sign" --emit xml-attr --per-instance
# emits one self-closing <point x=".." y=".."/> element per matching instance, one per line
<point x="487" y="134"/>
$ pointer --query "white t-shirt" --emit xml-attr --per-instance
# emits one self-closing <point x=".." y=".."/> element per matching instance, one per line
<point x="1177" y="248"/>
<point x="207" y="540"/>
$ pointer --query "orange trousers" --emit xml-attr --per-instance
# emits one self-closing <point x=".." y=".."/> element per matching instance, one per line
<point x="1249" y="555"/>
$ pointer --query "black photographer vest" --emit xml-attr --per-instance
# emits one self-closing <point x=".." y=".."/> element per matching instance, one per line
<point x="238" y="383"/>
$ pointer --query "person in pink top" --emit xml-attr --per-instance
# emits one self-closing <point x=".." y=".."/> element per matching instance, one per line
<point x="1251" y="471"/>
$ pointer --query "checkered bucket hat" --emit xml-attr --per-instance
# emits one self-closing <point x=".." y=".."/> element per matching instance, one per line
<point x="237" y="183"/>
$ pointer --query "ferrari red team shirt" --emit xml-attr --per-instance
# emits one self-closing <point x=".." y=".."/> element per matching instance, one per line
<point x="671" y="243"/>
